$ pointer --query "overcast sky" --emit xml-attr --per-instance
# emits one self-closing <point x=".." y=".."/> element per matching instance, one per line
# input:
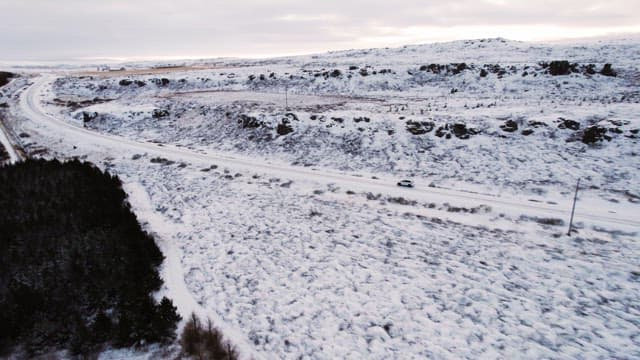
<point x="72" y="29"/>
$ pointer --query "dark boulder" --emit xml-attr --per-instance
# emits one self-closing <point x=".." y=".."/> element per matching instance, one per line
<point x="607" y="70"/>
<point x="458" y="68"/>
<point x="125" y="82"/>
<point x="159" y="113"/>
<point x="509" y="126"/>
<point x="284" y="128"/>
<point x="88" y="116"/>
<point x="595" y="133"/>
<point x="527" y="132"/>
<point x="462" y="132"/>
<point x="561" y="67"/>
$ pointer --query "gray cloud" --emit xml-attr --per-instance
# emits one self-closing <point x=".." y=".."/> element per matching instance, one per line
<point x="84" y="28"/>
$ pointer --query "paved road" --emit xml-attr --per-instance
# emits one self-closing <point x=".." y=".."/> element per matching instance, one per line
<point x="5" y="140"/>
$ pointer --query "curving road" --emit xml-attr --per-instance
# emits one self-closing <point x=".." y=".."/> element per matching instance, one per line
<point x="5" y="140"/>
<point x="608" y="215"/>
<point x="7" y="145"/>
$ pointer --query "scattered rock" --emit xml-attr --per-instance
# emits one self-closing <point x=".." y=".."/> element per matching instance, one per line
<point x="284" y="127"/>
<point x="125" y="82"/>
<point x="462" y="132"/>
<point x="458" y="68"/>
<point x="607" y="70"/>
<point x="561" y="67"/>
<point x="162" y="161"/>
<point x="537" y="124"/>
<point x="509" y="126"/>
<point x="160" y="82"/>
<point x="589" y="69"/>
<point x="249" y="122"/>
<point x="291" y="116"/>
<point x="88" y="116"/>
<point x="527" y="132"/>
<point x="159" y="113"/>
<point x="419" y="127"/>
<point x="594" y="133"/>
<point x="459" y="130"/>
<point x="569" y="124"/>
<point x="619" y="122"/>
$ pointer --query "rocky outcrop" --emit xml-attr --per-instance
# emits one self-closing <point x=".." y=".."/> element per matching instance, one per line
<point x="459" y="130"/>
<point x="249" y="122"/>
<point x="419" y="127"/>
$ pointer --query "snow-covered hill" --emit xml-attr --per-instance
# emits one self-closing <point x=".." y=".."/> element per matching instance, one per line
<point x="292" y="265"/>
<point x="502" y="115"/>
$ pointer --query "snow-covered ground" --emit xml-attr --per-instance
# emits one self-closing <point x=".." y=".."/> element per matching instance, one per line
<point x="392" y="111"/>
<point x="284" y="225"/>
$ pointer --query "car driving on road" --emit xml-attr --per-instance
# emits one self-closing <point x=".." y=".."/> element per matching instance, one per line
<point x="405" y="183"/>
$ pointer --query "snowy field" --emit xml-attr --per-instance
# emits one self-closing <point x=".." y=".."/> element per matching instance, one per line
<point x="292" y="265"/>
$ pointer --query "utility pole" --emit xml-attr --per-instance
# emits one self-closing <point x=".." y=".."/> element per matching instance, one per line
<point x="573" y="209"/>
<point x="286" y="97"/>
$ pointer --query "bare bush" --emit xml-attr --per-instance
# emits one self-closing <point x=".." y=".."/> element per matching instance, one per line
<point x="205" y="342"/>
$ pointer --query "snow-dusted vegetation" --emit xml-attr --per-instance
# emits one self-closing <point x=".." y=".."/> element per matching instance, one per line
<point x="270" y="185"/>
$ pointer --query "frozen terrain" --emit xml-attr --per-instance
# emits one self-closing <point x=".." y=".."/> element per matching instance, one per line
<point x="270" y="185"/>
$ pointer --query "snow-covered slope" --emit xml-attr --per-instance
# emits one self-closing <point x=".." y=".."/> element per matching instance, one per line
<point x="484" y="112"/>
